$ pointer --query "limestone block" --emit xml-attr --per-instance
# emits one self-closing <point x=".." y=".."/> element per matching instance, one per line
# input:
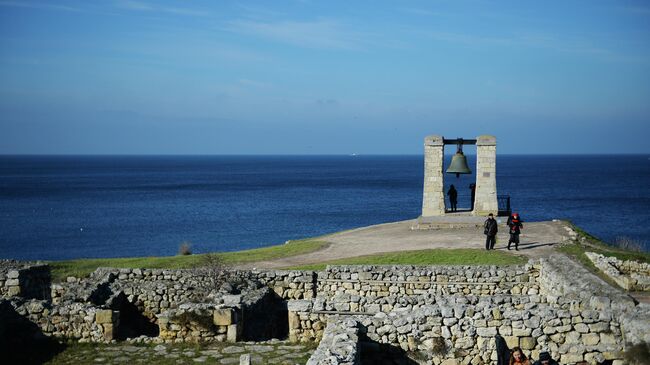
<point x="527" y="343"/>
<point x="571" y="358"/>
<point x="607" y="338"/>
<point x="590" y="339"/>
<point x="223" y="317"/>
<point x="581" y="327"/>
<point x="512" y="341"/>
<point x="232" y="335"/>
<point x="599" y="327"/>
<point x="521" y="332"/>
<point x="594" y="358"/>
<point x="599" y="302"/>
<point x="294" y="320"/>
<point x="245" y="359"/>
<point x="13" y="274"/>
<point x="486" y="332"/>
<point x="572" y="337"/>
<point x="104" y="316"/>
<point x="109" y="331"/>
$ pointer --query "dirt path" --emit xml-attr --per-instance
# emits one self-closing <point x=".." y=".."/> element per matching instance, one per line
<point x="537" y="240"/>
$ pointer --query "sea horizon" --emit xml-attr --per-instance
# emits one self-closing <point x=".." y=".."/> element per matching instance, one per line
<point x="71" y="206"/>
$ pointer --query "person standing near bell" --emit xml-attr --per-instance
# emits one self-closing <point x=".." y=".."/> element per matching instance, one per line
<point x="453" y="198"/>
<point x="472" y="188"/>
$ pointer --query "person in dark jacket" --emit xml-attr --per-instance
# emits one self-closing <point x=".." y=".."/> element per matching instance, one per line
<point x="545" y="359"/>
<point x="503" y="352"/>
<point x="490" y="229"/>
<point x="453" y="198"/>
<point x="472" y="188"/>
<point x="514" y="222"/>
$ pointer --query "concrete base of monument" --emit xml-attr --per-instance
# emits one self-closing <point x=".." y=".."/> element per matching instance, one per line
<point x="459" y="219"/>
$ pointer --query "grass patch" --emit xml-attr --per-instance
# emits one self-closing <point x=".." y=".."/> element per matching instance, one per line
<point x="461" y="256"/>
<point x="593" y="244"/>
<point x="83" y="267"/>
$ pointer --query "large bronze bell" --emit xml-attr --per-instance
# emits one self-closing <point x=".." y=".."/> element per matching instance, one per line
<point x="458" y="164"/>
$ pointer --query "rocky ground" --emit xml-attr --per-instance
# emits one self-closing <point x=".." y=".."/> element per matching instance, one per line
<point x="269" y="352"/>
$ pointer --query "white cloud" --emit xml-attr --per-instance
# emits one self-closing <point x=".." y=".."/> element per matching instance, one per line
<point x="36" y="5"/>
<point x="145" y="6"/>
<point x="312" y="34"/>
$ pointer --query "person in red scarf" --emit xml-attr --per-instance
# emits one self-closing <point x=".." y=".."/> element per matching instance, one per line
<point x="514" y="222"/>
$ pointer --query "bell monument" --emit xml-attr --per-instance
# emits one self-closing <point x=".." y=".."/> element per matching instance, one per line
<point x="433" y="196"/>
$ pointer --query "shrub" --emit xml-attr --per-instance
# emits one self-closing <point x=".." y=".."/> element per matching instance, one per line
<point x="185" y="248"/>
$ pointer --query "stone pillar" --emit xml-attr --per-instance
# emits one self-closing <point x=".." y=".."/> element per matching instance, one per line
<point x="433" y="197"/>
<point x="109" y="321"/>
<point x="485" y="201"/>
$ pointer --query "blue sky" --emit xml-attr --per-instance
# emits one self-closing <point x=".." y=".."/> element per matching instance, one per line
<point x="321" y="77"/>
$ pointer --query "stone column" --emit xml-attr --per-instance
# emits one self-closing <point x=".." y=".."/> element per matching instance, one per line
<point x="109" y="321"/>
<point x="433" y="198"/>
<point x="485" y="201"/>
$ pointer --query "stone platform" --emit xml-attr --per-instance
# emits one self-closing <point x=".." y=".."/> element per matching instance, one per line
<point x="449" y="220"/>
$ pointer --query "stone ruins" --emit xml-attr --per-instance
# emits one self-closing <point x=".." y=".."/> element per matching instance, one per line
<point x="358" y="314"/>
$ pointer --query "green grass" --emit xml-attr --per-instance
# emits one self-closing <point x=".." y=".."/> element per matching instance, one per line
<point x="594" y="244"/>
<point x="83" y="267"/>
<point x="426" y="257"/>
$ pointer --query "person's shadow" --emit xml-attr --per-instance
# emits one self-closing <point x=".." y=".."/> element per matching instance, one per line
<point x="527" y="245"/>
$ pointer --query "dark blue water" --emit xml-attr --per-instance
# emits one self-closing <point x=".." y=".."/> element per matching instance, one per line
<point x="113" y="206"/>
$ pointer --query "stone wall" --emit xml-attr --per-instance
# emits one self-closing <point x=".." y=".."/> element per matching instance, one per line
<point x="129" y="302"/>
<point x="154" y="291"/>
<point x="24" y="279"/>
<point x="446" y="314"/>
<point x="628" y="274"/>
<point x="340" y="344"/>
<point x="558" y="306"/>
<point x="384" y="288"/>
<point x="72" y="320"/>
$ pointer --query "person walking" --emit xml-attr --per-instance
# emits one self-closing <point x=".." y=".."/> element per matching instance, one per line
<point x="453" y="198"/>
<point x="514" y="222"/>
<point x="490" y="229"/>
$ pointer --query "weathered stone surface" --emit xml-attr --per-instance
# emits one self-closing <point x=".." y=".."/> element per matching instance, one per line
<point x="223" y="316"/>
<point x="527" y="343"/>
<point x="104" y="316"/>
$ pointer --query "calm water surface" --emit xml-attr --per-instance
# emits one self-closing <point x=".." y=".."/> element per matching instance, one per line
<point x="60" y="207"/>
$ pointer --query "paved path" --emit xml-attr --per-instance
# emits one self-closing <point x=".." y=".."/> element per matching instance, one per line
<point x="537" y="240"/>
<point x="269" y="352"/>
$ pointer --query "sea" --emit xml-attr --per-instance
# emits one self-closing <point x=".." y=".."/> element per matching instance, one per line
<point x="66" y="207"/>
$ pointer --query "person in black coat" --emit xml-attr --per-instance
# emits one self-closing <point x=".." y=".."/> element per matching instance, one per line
<point x="514" y="222"/>
<point x="490" y="230"/>
<point x="453" y="198"/>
